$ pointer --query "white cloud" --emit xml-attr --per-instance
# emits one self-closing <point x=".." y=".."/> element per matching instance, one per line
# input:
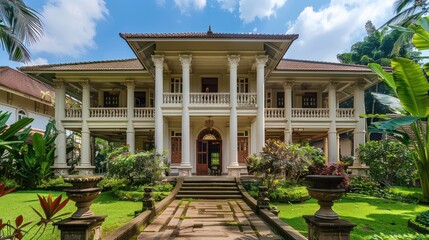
<point x="70" y="26"/>
<point x="251" y="9"/>
<point x="333" y="29"/>
<point x="228" y="5"/>
<point x="37" y="61"/>
<point x="185" y="5"/>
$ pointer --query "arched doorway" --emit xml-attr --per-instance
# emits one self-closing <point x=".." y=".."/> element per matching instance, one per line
<point x="209" y="152"/>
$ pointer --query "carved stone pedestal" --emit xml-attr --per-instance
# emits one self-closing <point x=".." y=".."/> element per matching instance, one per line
<point x="234" y="171"/>
<point x="81" y="229"/>
<point x="320" y="229"/>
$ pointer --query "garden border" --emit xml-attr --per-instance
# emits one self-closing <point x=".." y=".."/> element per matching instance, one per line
<point x="276" y="223"/>
<point x="417" y="228"/>
<point x="132" y="227"/>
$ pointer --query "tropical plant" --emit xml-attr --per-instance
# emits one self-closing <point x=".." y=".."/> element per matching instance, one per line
<point x="408" y="11"/>
<point x="279" y="159"/>
<point x="20" y="25"/>
<point x="35" y="163"/>
<point x="409" y="83"/>
<point x="50" y="208"/>
<point x="389" y="162"/>
<point x="3" y="190"/>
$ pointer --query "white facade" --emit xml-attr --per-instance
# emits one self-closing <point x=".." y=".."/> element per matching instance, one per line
<point x="208" y="100"/>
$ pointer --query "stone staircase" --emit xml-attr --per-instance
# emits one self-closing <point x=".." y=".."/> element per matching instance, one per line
<point x="208" y="187"/>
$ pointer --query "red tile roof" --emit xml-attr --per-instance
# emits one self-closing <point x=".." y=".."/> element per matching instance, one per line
<point x="210" y="35"/>
<point x="304" y="65"/>
<point x="20" y="82"/>
<point x="110" y="65"/>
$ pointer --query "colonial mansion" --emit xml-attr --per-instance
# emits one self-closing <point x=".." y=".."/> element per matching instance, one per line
<point x="207" y="99"/>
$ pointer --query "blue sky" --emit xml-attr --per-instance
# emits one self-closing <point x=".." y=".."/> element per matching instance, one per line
<point x="88" y="30"/>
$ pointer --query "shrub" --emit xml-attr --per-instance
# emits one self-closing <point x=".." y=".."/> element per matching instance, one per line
<point x="140" y="168"/>
<point x="290" y="193"/>
<point x="383" y="236"/>
<point x="280" y="159"/>
<point x="423" y="218"/>
<point x="56" y="184"/>
<point x="389" y="162"/>
<point x="109" y="183"/>
<point x="9" y="183"/>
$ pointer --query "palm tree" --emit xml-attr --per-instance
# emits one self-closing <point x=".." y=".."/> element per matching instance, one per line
<point x="407" y="12"/>
<point x="20" y="26"/>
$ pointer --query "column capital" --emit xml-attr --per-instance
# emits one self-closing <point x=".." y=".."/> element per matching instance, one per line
<point x="233" y="60"/>
<point x="59" y="83"/>
<point x="288" y="84"/>
<point x="360" y="84"/>
<point x="84" y="83"/>
<point x="129" y="83"/>
<point x="261" y="60"/>
<point x="158" y="60"/>
<point x="185" y="60"/>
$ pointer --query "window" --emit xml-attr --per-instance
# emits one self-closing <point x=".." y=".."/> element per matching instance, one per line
<point x="111" y="99"/>
<point x="209" y="85"/>
<point x="309" y="100"/>
<point x="280" y="99"/>
<point x="243" y="85"/>
<point x="140" y="99"/>
<point x="176" y="85"/>
<point x="268" y="98"/>
<point x="21" y="114"/>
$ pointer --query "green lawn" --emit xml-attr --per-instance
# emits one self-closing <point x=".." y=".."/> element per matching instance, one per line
<point x="372" y="215"/>
<point x="19" y="202"/>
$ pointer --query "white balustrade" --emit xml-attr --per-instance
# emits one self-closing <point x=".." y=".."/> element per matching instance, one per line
<point x="74" y="113"/>
<point x="246" y="99"/>
<point x="310" y="112"/>
<point x="345" y="113"/>
<point x="209" y="98"/>
<point x="172" y="98"/>
<point x="108" y="112"/>
<point x="275" y="113"/>
<point x="144" y="113"/>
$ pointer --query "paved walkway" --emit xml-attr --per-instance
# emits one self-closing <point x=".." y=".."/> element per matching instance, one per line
<point x="208" y="219"/>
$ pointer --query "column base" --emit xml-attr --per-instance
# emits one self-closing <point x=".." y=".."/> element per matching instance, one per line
<point x="357" y="170"/>
<point x="61" y="169"/>
<point x="328" y="229"/>
<point x="185" y="171"/>
<point x="89" y="228"/>
<point x="85" y="170"/>
<point x="234" y="171"/>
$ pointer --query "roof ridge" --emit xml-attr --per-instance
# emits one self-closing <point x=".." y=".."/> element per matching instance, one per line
<point x="324" y="62"/>
<point x="77" y="63"/>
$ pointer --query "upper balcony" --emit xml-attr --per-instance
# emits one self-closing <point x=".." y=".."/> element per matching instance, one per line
<point x="209" y="99"/>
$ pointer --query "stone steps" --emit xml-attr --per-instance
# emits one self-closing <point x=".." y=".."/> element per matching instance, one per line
<point x="209" y="188"/>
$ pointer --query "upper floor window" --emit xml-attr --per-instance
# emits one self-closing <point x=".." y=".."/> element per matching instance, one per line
<point x="111" y="99"/>
<point x="209" y="85"/>
<point x="243" y="85"/>
<point x="140" y="99"/>
<point x="22" y="114"/>
<point x="280" y="99"/>
<point x="176" y="85"/>
<point x="309" y="100"/>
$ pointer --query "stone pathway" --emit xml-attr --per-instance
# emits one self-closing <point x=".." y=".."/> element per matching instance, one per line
<point x="207" y="219"/>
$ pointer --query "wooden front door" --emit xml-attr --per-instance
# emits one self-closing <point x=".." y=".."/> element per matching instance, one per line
<point x="176" y="149"/>
<point x="243" y="152"/>
<point x="202" y="158"/>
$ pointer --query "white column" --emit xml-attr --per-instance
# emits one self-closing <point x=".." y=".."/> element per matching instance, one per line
<point x="85" y="150"/>
<point x="325" y="149"/>
<point x="288" y="111"/>
<point x="159" y="125"/>
<point x="233" y="61"/>
<point x="260" y="91"/>
<point x="359" y="132"/>
<point x="131" y="141"/>
<point x="332" y="133"/>
<point x="60" y="163"/>
<point x="186" y="140"/>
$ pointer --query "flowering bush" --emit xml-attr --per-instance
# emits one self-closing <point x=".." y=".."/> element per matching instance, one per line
<point x="142" y="167"/>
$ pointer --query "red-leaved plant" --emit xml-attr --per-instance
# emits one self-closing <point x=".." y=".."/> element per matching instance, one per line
<point x="49" y="209"/>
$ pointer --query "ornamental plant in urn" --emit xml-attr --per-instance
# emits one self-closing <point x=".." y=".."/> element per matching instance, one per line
<point x="325" y="189"/>
<point x="83" y="192"/>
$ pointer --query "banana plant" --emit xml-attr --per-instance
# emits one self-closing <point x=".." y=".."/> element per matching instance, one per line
<point x="411" y="87"/>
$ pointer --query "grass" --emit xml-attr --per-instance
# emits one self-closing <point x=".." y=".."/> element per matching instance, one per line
<point x="406" y="190"/>
<point x="372" y="215"/>
<point x="20" y="202"/>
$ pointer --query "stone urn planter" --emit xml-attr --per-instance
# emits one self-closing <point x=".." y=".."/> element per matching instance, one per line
<point x="325" y="189"/>
<point x="83" y="192"/>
